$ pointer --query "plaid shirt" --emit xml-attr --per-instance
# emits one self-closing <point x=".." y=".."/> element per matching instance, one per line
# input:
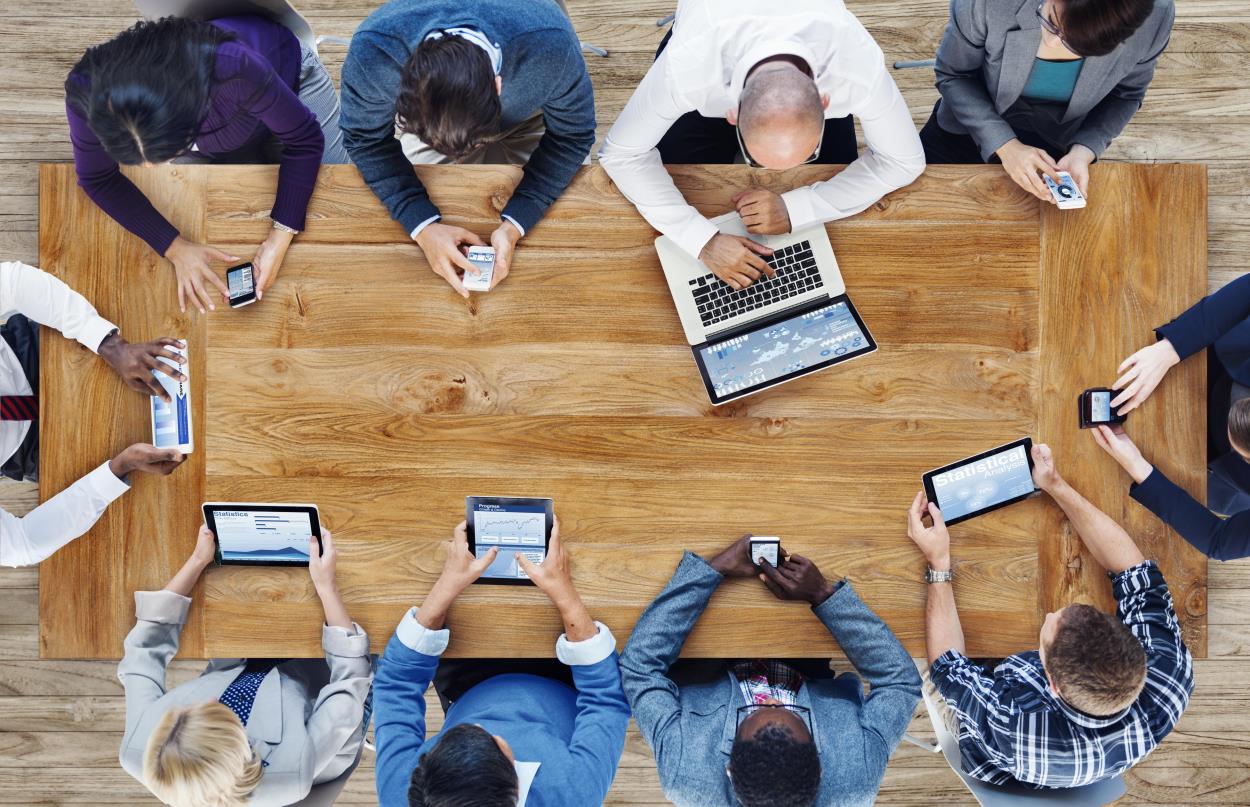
<point x="1012" y="727"/>
<point x="760" y="680"/>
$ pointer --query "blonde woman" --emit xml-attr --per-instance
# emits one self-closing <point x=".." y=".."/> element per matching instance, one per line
<point x="246" y="731"/>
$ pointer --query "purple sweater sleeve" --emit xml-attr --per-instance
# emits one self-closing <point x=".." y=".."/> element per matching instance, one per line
<point x="260" y="92"/>
<point x="104" y="183"/>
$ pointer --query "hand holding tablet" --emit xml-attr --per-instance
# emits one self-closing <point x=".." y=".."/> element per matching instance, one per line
<point x="251" y="534"/>
<point x="512" y="527"/>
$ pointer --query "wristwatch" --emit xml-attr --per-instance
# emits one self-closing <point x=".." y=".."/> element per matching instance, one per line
<point x="932" y="575"/>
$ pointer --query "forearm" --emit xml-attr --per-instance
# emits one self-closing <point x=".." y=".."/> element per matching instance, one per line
<point x="335" y="610"/>
<point x="578" y="626"/>
<point x="183" y="582"/>
<point x="942" y="628"/>
<point x="432" y="614"/>
<point x="1107" y="541"/>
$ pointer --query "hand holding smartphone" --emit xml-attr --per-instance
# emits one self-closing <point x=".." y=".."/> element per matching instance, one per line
<point x="1094" y="408"/>
<point x="1066" y="194"/>
<point x="765" y="548"/>
<point x="241" y="284"/>
<point x="483" y="258"/>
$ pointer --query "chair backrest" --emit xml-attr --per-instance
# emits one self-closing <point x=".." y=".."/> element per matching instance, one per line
<point x="278" y="10"/>
<point x="987" y="795"/>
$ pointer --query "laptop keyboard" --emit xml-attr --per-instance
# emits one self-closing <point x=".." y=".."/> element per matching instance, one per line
<point x="796" y="274"/>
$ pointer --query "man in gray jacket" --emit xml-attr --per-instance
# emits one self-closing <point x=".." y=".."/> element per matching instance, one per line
<point x="767" y="732"/>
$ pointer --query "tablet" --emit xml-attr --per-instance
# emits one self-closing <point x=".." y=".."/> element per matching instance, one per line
<point x="988" y="481"/>
<point x="763" y="354"/>
<point x="514" y="527"/>
<point x="262" y="534"/>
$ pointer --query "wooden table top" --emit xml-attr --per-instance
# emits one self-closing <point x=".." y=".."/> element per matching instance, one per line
<point x="363" y="384"/>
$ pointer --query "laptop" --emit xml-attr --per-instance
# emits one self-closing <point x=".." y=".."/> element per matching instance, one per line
<point x="777" y="329"/>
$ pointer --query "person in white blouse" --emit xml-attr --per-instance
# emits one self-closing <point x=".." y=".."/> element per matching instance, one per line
<point x="779" y="83"/>
<point x="26" y="293"/>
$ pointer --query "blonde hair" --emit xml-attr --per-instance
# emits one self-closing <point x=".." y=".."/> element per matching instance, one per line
<point x="199" y="756"/>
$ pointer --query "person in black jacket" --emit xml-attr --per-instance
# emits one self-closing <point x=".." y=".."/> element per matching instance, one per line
<point x="1221" y="320"/>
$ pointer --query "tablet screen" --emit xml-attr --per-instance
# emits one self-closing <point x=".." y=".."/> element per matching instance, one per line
<point x="983" y="482"/>
<point x="263" y="536"/>
<point x="513" y="528"/>
<point x="812" y="340"/>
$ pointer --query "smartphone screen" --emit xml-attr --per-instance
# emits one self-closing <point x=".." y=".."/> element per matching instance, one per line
<point x="1100" y="407"/>
<point x="241" y="285"/>
<point x="765" y="549"/>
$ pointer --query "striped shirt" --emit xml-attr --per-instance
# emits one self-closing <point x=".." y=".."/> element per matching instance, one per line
<point x="1013" y="727"/>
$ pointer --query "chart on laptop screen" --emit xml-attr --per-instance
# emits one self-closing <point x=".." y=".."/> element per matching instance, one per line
<point x="754" y="359"/>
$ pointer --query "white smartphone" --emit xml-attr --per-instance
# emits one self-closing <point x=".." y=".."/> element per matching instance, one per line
<point x="765" y="548"/>
<point x="483" y="258"/>
<point x="1066" y="194"/>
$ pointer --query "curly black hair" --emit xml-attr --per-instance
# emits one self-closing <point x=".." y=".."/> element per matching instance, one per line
<point x="775" y="769"/>
<point x="464" y="769"/>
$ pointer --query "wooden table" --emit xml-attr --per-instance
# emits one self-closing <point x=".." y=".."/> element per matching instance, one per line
<point x="363" y="384"/>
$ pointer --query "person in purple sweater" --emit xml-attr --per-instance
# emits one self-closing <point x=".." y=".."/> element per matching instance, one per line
<point x="226" y="90"/>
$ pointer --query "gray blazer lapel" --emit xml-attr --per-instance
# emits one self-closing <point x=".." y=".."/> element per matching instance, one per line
<point x="1018" y="54"/>
<point x="264" y="724"/>
<point x="1091" y="83"/>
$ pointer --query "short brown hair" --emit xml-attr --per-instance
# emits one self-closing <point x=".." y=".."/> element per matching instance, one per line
<point x="1097" y="27"/>
<point x="1095" y="661"/>
<point x="447" y="96"/>
<point x="1239" y="424"/>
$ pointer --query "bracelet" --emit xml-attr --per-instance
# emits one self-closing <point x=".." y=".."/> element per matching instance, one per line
<point x="277" y="225"/>
<point x="932" y="575"/>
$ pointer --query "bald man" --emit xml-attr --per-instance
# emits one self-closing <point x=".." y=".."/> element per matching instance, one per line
<point x="775" y="85"/>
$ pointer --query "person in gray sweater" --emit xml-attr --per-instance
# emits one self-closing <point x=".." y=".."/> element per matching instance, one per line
<point x="1042" y="87"/>
<point x="768" y="732"/>
<point x="466" y="81"/>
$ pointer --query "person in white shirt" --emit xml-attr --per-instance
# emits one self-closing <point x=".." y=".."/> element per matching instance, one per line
<point x="785" y="78"/>
<point x="31" y="293"/>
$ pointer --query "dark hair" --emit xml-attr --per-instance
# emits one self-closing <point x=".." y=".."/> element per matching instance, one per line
<point x="1096" y="27"/>
<point x="1239" y="424"/>
<point x="465" y="768"/>
<point x="775" y="769"/>
<point x="145" y="92"/>
<point x="447" y="96"/>
<point x="1097" y="664"/>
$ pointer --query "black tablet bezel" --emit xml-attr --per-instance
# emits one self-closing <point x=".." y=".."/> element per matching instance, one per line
<point x="823" y="302"/>
<point x="470" y="502"/>
<point x="210" y="508"/>
<point x="927" y="479"/>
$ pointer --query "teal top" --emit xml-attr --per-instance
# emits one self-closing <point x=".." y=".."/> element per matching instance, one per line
<point x="1052" y="80"/>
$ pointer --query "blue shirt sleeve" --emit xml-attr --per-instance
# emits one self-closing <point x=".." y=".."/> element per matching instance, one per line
<point x="599" y="731"/>
<point x="1215" y="537"/>
<point x="399" y="688"/>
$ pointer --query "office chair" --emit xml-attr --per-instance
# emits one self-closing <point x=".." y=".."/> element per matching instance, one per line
<point x="279" y="10"/>
<point x="987" y="795"/>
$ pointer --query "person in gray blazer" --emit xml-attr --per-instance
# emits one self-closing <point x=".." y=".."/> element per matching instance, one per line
<point x="245" y="731"/>
<point x="1042" y="87"/>
<point x="767" y="732"/>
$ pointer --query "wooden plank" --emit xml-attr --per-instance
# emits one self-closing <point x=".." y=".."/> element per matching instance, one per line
<point x="1145" y="273"/>
<point x="86" y="605"/>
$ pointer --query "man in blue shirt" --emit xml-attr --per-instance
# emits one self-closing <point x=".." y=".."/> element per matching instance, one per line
<point x="512" y="740"/>
<point x="768" y="733"/>
<point x="1101" y="692"/>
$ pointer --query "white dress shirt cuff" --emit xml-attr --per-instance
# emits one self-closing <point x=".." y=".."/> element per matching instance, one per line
<point x="419" y="638"/>
<point x="694" y="238"/>
<point x="514" y="223"/>
<point x="105" y="484"/>
<point x="417" y="230"/>
<point x="588" y="651"/>
<point x="800" y="207"/>
<point x="165" y="607"/>
<point x="94" y="332"/>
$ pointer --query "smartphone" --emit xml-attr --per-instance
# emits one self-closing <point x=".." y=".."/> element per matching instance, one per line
<point x="1094" y="407"/>
<point x="765" y="548"/>
<point x="1066" y="194"/>
<point x="241" y="285"/>
<point x="483" y="258"/>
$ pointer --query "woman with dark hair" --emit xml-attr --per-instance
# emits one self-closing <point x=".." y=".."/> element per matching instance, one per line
<point x="1042" y="86"/>
<point x="1221" y="321"/>
<point x="226" y="90"/>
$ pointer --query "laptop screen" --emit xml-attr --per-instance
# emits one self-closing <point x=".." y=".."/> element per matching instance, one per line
<point x="762" y="355"/>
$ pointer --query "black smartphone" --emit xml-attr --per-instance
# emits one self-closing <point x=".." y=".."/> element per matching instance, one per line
<point x="241" y="285"/>
<point x="1094" y="407"/>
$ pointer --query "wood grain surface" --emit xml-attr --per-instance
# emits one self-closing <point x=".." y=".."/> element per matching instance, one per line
<point x="364" y="384"/>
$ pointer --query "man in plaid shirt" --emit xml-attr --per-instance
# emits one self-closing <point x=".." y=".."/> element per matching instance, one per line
<point x="1099" y="695"/>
